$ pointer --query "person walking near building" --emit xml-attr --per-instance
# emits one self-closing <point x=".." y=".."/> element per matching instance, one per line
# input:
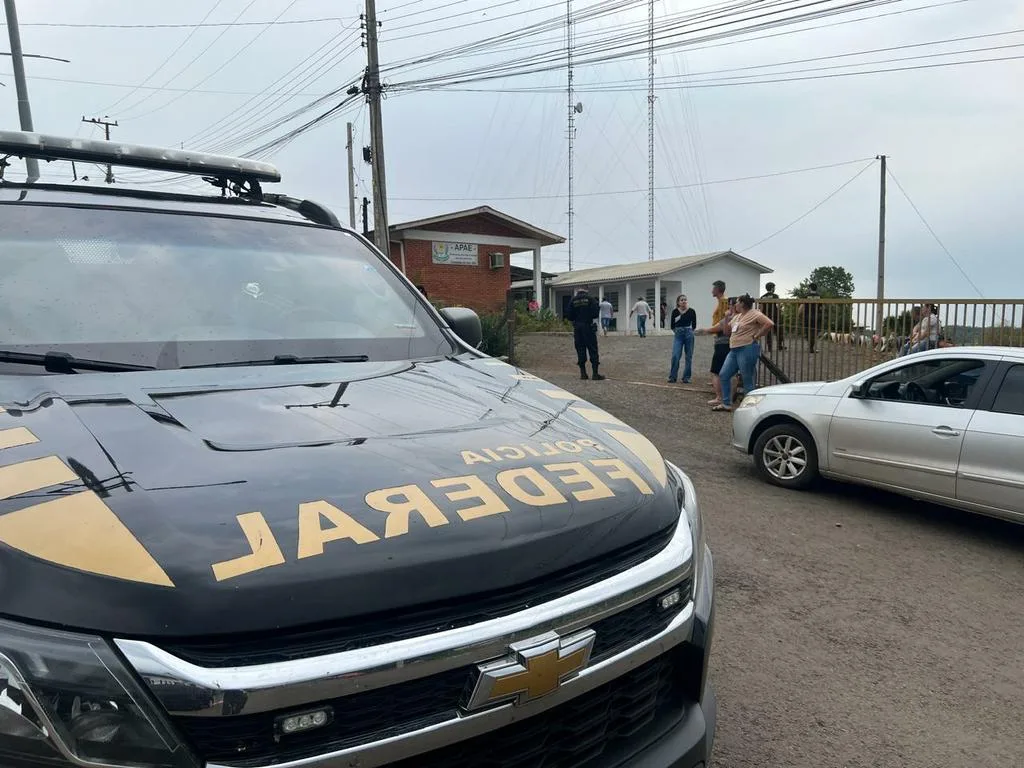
<point x="749" y="325"/>
<point x="683" y="324"/>
<point x="583" y="313"/>
<point x="664" y="310"/>
<point x="642" y="310"/>
<point x="607" y="312"/>
<point x="774" y="313"/>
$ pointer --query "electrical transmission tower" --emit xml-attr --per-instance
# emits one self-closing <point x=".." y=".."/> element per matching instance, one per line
<point x="650" y="130"/>
<point x="573" y="109"/>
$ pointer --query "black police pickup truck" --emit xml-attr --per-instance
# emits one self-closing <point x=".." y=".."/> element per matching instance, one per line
<point x="262" y="505"/>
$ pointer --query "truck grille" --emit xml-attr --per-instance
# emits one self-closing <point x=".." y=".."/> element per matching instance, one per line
<point x="376" y="630"/>
<point x="246" y="740"/>
<point x="576" y="734"/>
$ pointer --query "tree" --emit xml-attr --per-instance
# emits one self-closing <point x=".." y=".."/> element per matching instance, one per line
<point x="833" y="283"/>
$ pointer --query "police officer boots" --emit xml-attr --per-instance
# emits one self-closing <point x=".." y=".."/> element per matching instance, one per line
<point x="583" y="372"/>
<point x="597" y="376"/>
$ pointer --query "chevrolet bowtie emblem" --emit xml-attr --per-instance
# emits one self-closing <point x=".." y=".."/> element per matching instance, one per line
<point x="534" y="668"/>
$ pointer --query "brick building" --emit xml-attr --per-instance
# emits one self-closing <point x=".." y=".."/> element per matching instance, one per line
<point x="463" y="258"/>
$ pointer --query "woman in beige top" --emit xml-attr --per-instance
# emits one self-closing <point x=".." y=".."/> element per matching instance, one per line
<point x="748" y="326"/>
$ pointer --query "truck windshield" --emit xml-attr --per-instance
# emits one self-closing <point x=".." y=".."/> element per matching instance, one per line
<point x="170" y="290"/>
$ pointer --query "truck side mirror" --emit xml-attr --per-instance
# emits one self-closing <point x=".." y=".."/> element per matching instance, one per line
<point x="466" y="324"/>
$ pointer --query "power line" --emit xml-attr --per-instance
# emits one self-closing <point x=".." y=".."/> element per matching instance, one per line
<point x="932" y="232"/>
<point x="812" y="210"/>
<point x="721" y="83"/>
<point x="203" y="24"/>
<point x="632" y="191"/>
<point x="237" y="53"/>
<point x="169" y="89"/>
<point x="457" y="53"/>
<point x="869" y="51"/>
<point x="310" y="70"/>
<point x="460" y="14"/>
<point x="670" y="36"/>
<point x="163" y="63"/>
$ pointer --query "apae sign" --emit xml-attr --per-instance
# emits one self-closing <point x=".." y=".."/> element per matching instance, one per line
<point x="456" y="253"/>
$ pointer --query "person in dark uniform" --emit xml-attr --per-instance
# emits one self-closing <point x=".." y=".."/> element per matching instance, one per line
<point x="583" y="314"/>
<point x="772" y="310"/>
<point x="812" y="316"/>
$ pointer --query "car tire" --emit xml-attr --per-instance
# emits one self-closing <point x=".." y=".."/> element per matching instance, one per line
<point x="778" y="452"/>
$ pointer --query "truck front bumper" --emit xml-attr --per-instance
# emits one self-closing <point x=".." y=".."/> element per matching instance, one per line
<point x="688" y="744"/>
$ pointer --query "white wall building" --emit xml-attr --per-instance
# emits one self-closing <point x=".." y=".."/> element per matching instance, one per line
<point x="663" y="279"/>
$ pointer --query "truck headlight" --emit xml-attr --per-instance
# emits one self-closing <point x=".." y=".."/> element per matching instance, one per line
<point x="687" y="497"/>
<point x="68" y="700"/>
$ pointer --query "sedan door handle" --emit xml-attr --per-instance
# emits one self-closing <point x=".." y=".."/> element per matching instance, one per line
<point x="945" y="432"/>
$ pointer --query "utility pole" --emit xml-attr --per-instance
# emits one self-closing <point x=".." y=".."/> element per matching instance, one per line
<point x="650" y="130"/>
<point x="373" y="89"/>
<point x="18" y="61"/>
<point x="107" y="124"/>
<point x="366" y="216"/>
<point x="880" y="317"/>
<point x="572" y="116"/>
<point x="351" y="182"/>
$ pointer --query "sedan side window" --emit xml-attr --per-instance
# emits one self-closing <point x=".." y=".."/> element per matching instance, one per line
<point x="1011" y="393"/>
<point x="947" y="382"/>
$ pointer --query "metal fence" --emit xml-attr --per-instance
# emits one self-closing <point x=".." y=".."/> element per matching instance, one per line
<point x="829" y="339"/>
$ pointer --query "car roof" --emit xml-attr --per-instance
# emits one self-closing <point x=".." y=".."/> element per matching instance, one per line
<point x="135" y="197"/>
<point x="1017" y="353"/>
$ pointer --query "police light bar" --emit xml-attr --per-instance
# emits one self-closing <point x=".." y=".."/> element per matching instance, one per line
<point x="22" y="144"/>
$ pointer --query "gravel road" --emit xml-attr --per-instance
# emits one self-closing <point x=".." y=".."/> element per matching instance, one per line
<point x="854" y="628"/>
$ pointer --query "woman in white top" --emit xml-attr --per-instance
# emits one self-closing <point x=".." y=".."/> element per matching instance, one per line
<point x="926" y="333"/>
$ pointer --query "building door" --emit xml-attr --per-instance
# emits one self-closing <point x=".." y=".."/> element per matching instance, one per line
<point x="566" y="300"/>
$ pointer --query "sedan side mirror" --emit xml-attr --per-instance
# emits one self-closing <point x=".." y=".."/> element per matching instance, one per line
<point x="466" y="324"/>
<point x="859" y="390"/>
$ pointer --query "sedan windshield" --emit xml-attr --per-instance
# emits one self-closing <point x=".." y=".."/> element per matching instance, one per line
<point x="169" y="290"/>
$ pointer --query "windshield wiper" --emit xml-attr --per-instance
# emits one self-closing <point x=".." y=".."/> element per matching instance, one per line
<point x="62" y="362"/>
<point x="287" y="360"/>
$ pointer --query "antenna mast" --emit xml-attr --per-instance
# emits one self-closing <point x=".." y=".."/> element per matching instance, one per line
<point x="650" y="130"/>
<point x="569" y="42"/>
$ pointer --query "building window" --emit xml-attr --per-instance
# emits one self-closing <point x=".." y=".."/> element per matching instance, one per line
<point x="612" y="297"/>
<point x="649" y="296"/>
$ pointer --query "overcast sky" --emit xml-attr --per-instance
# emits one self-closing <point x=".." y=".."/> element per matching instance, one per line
<point x="952" y="133"/>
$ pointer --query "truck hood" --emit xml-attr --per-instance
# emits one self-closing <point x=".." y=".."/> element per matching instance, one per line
<point x="194" y="503"/>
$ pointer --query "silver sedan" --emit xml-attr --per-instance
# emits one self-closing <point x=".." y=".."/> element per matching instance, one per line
<point x="945" y="425"/>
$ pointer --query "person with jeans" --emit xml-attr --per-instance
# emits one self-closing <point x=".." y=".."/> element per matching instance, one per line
<point x="683" y="325"/>
<point x="642" y="310"/>
<point x="749" y="325"/>
<point x="607" y="312"/>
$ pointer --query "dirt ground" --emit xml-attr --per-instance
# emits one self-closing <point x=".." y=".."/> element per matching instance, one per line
<point x="854" y="628"/>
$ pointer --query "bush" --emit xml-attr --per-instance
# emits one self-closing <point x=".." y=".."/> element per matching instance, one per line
<point x="1003" y="336"/>
<point x="495" y="335"/>
<point x="538" y="322"/>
